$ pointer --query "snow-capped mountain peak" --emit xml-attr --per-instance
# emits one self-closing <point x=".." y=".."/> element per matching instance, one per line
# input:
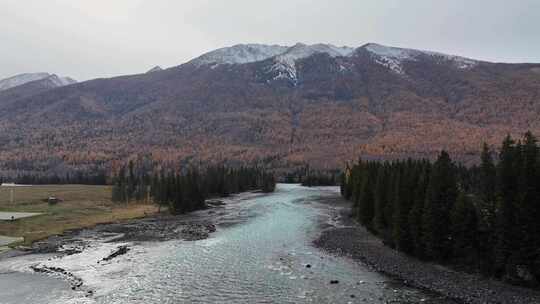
<point x="246" y="53"/>
<point x="61" y="81"/>
<point x="301" y="50"/>
<point x="284" y="58"/>
<point x="393" y="57"/>
<point x="285" y="64"/>
<point x="18" y="80"/>
<point x="21" y="79"/>
<point x="239" y="54"/>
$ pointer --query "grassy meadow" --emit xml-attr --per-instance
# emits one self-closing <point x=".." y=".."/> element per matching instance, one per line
<point x="80" y="206"/>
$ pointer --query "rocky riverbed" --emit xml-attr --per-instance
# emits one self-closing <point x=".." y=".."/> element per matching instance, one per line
<point x="261" y="252"/>
<point x="162" y="227"/>
<point x="347" y="238"/>
<point x="157" y="228"/>
<point x="248" y="249"/>
<point x="102" y="244"/>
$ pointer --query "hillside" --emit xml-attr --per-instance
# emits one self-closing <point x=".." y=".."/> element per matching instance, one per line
<point x="320" y="104"/>
<point x="50" y="80"/>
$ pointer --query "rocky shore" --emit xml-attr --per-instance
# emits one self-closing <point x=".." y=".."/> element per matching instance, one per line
<point x="73" y="280"/>
<point x="194" y="226"/>
<point x="350" y="239"/>
<point x="159" y="228"/>
<point x="123" y="236"/>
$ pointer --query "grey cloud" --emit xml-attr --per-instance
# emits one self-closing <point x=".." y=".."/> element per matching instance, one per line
<point x="103" y="38"/>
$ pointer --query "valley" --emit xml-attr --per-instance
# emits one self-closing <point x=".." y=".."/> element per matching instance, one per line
<point x="283" y="151"/>
<point x="261" y="252"/>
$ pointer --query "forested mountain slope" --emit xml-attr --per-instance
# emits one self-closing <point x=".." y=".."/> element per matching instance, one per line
<point x="320" y="104"/>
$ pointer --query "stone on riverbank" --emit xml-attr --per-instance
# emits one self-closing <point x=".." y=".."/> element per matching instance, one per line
<point x="74" y="281"/>
<point x="121" y="250"/>
<point x="195" y="232"/>
<point x="357" y="243"/>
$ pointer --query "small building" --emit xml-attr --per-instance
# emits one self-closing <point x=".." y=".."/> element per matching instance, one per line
<point x="52" y="200"/>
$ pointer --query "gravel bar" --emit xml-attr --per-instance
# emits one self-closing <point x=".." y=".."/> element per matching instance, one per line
<point x="355" y="241"/>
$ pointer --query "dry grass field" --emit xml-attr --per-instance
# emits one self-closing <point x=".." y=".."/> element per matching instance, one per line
<point x="80" y="206"/>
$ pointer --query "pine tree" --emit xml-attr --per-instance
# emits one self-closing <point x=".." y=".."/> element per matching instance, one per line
<point x="119" y="188"/>
<point x="440" y="198"/>
<point x="357" y="183"/>
<point x="464" y="229"/>
<point x="417" y="212"/>
<point x="366" y="199"/>
<point x="391" y="194"/>
<point x="398" y="203"/>
<point x="381" y="199"/>
<point x="117" y="191"/>
<point x="405" y="189"/>
<point x="347" y="186"/>
<point x="528" y="215"/>
<point x="507" y="177"/>
<point x="131" y="182"/>
<point x="487" y="208"/>
<point x="268" y="183"/>
<point x="488" y="182"/>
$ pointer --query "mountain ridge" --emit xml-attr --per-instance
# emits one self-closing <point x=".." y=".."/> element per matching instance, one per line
<point x="285" y="57"/>
<point x="157" y="68"/>
<point x="330" y="110"/>
<point x="21" y="79"/>
<point x="237" y="54"/>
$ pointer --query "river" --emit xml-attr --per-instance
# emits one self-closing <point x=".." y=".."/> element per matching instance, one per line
<point x="266" y="256"/>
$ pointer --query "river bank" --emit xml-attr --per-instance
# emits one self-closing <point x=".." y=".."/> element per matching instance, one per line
<point x="261" y="252"/>
<point x="155" y="227"/>
<point x="79" y="207"/>
<point x="350" y="239"/>
<point x="62" y="256"/>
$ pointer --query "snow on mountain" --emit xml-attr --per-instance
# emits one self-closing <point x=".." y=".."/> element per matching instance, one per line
<point x="285" y="64"/>
<point x="157" y="68"/>
<point x="393" y="57"/>
<point x="285" y="58"/>
<point x="239" y="54"/>
<point x="61" y="81"/>
<point x="21" y="79"/>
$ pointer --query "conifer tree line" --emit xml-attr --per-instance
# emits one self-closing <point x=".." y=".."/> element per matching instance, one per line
<point x="486" y="218"/>
<point x="310" y="177"/>
<point x="320" y="178"/>
<point x="79" y="178"/>
<point x="187" y="190"/>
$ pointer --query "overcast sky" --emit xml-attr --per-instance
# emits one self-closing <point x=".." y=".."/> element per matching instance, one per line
<point x="87" y="39"/>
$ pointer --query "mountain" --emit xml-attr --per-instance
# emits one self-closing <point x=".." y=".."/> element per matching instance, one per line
<point x="394" y="58"/>
<point x="319" y="103"/>
<point x="52" y="79"/>
<point x="239" y="54"/>
<point x="60" y="81"/>
<point x="157" y="68"/>
<point x="21" y="79"/>
<point x="283" y="58"/>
